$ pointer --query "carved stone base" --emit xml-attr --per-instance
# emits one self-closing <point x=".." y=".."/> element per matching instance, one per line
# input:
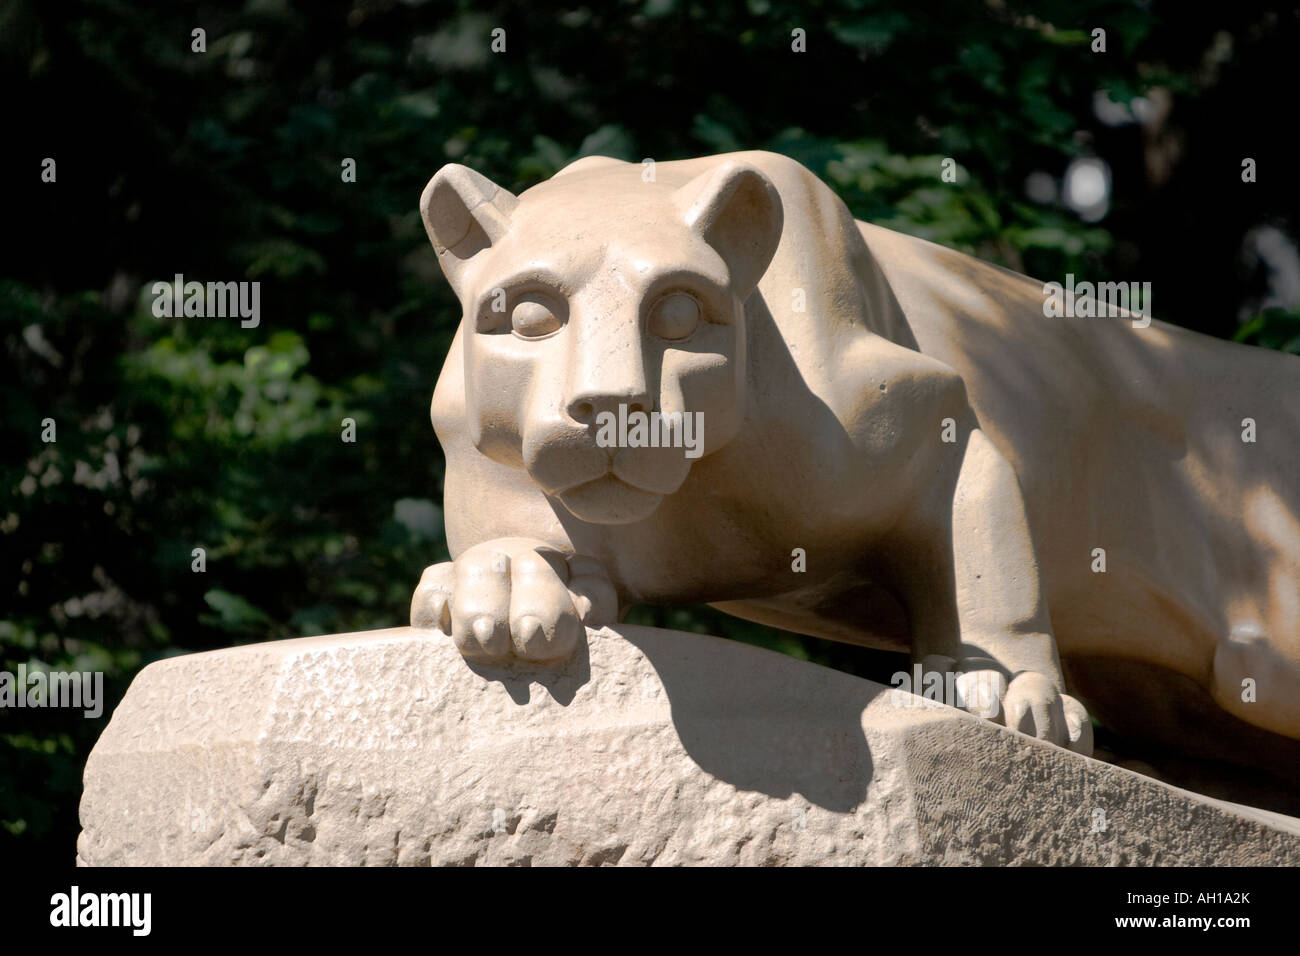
<point x="651" y="747"/>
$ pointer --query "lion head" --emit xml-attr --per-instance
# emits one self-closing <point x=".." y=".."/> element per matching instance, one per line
<point x="604" y="296"/>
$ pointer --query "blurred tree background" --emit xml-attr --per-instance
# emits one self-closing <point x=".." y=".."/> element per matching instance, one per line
<point x="175" y="434"/>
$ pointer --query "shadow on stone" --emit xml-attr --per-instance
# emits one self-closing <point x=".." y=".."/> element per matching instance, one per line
<point x="560" y="680"/>
<point x="765" y="726"/>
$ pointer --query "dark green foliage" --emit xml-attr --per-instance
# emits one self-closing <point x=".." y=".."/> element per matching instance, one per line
<point x="1273" y="329"/>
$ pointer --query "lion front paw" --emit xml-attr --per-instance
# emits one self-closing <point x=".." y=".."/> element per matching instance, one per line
<point x="515" y="597"/>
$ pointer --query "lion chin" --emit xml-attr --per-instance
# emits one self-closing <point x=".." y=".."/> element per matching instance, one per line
<point x="609" y="500"/>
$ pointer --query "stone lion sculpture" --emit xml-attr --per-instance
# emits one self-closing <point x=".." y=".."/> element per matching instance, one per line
<point x="955" y="473"/>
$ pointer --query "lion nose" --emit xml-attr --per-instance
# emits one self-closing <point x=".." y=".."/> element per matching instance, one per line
<point x="586" y="407"/>
<point x="606" y="371"/>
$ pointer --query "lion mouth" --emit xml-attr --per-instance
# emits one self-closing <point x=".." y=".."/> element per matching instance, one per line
<point x="601" y="487"/>
<point x="609" y="499"/>
<point x="608" y="478"/>
<point x="639" y="473"/>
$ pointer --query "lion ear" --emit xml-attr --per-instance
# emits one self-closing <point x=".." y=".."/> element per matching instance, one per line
<point x="464" y="213"/>
<point x="737" y="210"/>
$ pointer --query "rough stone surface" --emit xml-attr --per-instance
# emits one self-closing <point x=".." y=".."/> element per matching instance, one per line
<point x="649" y="747"/>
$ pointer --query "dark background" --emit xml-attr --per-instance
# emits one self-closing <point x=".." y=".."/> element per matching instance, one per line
<point x="225" y="165"/>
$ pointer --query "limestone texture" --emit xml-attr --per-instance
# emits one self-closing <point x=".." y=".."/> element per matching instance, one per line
<point x="647" y="747"/>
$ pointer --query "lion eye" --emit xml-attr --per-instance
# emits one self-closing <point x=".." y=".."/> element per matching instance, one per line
<point x="532" y="320"/>
<point x="675" y="316"/>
